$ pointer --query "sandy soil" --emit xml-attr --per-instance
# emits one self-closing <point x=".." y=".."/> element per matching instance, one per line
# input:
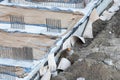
<point x="36" y="16"/>
<point x="39" y="43"/>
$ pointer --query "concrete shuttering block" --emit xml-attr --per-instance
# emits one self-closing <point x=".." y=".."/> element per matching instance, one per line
<point x="55" y="73"/>
<point x="70" y="42"/>
<point x="51" y="62"/>
<point x="43" y="70"/>
<point x="47" y="75"/>
<point x="64" y="64"/>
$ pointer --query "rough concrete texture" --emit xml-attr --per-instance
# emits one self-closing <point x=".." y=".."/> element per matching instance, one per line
<point x="101" y="60"/>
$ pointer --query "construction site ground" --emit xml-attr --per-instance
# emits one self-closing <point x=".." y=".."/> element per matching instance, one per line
<point x="37" y="16"/>
<point x="15" y="42"/>
<point x="39" y="43"/>
<point x="99" y="58"/>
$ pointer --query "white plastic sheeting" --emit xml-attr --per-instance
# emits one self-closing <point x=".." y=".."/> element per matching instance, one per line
<point x="69" y="43"/>
<point x="31" y="29"/>
<point x="47" y="75"/>
<point x="115" y="6"/>
<point x="51" y="62"/>
<point x="107" y="14"/>
<point x="77" y="35"/>
<point x="81" y="78"/>
<point x="43" y="70"/>
<point x="5" y="1"/>
<point x="50" y="6"/>
<point x="88" y="33"/>
<point x="82" y="32"/>
<point x="102" y="6"/>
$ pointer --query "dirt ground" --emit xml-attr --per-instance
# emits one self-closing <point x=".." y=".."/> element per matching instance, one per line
<point x="99" y="58"/>
<point x="39" y="43"/>
<point x="37" y="16"/>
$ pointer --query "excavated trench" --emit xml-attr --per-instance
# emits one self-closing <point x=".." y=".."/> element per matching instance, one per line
<point x="98" y="58"/>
